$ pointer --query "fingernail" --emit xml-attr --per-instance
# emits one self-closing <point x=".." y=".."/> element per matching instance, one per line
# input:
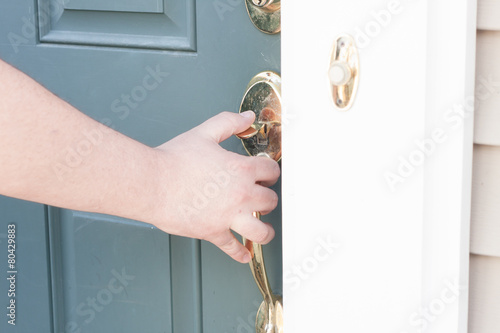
<point x="247" y="258"/>
<point x="247" y="114"/>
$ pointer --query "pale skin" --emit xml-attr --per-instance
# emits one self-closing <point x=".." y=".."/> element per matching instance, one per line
<point x="189" y="186"/>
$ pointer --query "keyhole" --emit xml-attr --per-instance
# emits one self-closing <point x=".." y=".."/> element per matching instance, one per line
<point x="262" y="137"/>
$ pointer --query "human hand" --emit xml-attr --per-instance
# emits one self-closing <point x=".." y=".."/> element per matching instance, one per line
<point x="209" y="191"/>
<point x="189" y="186"/>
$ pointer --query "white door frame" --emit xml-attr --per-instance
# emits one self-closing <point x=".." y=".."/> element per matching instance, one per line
<point x="376" y="200"/>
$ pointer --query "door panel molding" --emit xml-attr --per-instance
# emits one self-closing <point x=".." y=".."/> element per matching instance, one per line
<point x="171" y="29"/>
<point x="102" y="266"/>
<point x="145" y="6"/>
<point x="29" y="268"/>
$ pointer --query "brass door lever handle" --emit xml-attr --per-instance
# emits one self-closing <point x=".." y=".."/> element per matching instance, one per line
<point x="263" y="138"/>
<point x="258" y="267"/>
<point x="270" y="314"/>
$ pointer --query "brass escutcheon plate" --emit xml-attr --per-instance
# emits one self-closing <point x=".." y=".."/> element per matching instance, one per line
<point x="344" y="60"/>
<point x="270" y="320"/>
<point x="263" y="96"/>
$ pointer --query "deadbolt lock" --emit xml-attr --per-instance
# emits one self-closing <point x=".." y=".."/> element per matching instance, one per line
<point x="265" y="15"/>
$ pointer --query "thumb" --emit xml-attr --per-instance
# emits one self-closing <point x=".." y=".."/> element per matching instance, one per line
<point x="226" y="124"/>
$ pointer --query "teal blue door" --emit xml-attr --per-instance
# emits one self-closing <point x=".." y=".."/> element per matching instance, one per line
<point x="150" y="69"/>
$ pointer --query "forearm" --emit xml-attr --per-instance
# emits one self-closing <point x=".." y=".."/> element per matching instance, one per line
<point x="51" y="153"/>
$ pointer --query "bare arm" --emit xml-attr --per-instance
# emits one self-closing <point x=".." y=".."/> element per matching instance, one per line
<point x="53" y="154"/>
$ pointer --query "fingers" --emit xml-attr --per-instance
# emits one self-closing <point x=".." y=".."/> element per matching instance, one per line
<point x="230" y="245"/>
<point x="250" y="228"/>
<point x="267" y="171"/>
<point x="262" y="200"/>
<point x="254" y="229"/>
<point x="226" y="124"/>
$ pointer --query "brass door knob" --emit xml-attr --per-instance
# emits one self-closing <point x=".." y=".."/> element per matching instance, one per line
<point x="263" y="138"/>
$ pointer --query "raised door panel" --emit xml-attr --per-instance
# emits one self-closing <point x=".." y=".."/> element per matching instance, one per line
<point x="169" y="24"/>
<point x="105" y="267"/>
